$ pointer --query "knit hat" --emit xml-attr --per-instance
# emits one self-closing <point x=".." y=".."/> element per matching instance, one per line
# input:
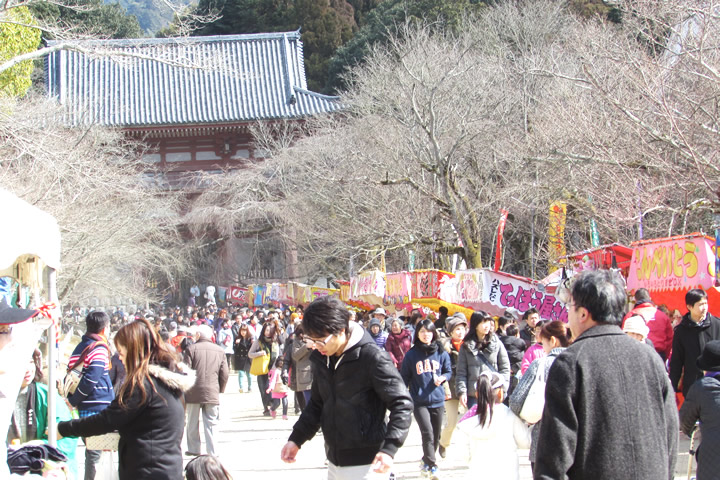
<point x="454" y="321"/>
<point x="710" y="358"/>
<point x="636" y="324"/>
<point x="374" y="321"/>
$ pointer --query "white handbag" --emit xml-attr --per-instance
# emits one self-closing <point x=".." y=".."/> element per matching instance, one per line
<point x="534" y="404"/>
<point x="106" y="442"/>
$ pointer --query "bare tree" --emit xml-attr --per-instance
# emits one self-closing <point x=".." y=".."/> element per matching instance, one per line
<point x="527" y="105"/>
<point x="118" y="233"/>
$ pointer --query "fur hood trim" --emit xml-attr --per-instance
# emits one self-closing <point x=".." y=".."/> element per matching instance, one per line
<point x="182" y="380"/>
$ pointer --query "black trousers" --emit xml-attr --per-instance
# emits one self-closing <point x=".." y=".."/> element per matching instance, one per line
<point x="429" y="421"/>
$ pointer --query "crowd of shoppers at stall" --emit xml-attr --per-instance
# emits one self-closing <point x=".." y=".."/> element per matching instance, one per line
<point x="599" y="393"/>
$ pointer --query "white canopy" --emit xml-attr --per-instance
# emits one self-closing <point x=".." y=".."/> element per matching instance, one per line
<point x="30" y="240"/>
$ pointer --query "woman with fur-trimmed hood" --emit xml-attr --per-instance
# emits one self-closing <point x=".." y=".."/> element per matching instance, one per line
<point x="148" y="410"/>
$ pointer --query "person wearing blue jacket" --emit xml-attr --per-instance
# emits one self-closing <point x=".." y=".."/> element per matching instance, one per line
<point x="95" y="392"/>
<point x="425" y="368"/>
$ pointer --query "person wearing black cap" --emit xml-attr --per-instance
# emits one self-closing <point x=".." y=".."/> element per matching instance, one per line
<point x="703" y="403"/>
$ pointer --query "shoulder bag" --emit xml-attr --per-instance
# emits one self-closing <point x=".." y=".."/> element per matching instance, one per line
<point x="260" y="365"/>
<point x="74" y="373"/>
<point x="534" y="404"/>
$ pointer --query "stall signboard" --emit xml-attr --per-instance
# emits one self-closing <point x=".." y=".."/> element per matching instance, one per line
<point x="469" y="285"/>
<point x="397" y="288"/>
<point x="302" y="294"/>
<point x="368" y="286"/>
<point x="237" y="295"/>
<point x="505" y="291"/>
<point x="344" y="290"/>
<point x="278" y="292"/>
<point x="676" y="263"/>
<point x="317" y="292"/>
<point x="259" y="295"/>
<point x="432" y="284"/>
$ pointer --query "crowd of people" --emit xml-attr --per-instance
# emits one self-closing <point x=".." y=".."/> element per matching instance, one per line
<point x="597" y="394"/>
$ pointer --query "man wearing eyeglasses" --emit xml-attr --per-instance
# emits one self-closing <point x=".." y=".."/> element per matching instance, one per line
<point x="609" y="406"/>
<point x="354" y="385"/>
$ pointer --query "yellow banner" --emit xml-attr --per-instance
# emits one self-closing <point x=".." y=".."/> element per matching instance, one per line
<point x="556" y="231"/>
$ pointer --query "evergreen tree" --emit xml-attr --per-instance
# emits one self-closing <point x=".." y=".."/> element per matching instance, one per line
<point x="17" y="38"/>
<point x="325" y="25"/>
<point x="384" y="21"/>
<point x="88" y="17"/>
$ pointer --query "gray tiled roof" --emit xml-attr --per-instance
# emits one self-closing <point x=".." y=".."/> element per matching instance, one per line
<point x="184" y="81"/>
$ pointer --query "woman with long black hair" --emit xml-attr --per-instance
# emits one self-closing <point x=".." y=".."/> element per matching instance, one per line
<point x="266" y="345"/>
<point x="425" y="368"/>
<point x="481" y="351"/>
<point x="148" y="409"/>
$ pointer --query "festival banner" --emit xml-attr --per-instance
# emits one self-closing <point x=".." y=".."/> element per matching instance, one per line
<point x="237" y="295"/>
<point x="505" y="291"/>
<point x="258" y="295"/>
<point x="498" y="244"/>
<point x="302" y="293"/>
<point x="717" y="249"/>
<point x="397" y="288"/>
<point x="556" y="232"/>
<point x="344" y="290"/>
<point x="469" y="287"/>
<point x="675" y="263"/>
<point x="317" y="292"/>
<point x="368" y="286"/>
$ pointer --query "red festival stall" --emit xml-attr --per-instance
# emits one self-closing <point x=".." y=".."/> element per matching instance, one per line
<point x="669" y="267"/>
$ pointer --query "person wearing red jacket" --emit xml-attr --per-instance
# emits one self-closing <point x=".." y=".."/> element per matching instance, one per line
<point x="398" y="342"/>
<point x="660" y="325"/>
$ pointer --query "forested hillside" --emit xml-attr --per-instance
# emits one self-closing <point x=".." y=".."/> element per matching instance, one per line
<point x="338" y="34"/>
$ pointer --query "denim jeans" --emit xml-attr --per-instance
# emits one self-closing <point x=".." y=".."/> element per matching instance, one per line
<point x="245" y="381"/>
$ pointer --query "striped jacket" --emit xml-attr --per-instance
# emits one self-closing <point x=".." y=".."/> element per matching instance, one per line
<point x="94" y="392"/>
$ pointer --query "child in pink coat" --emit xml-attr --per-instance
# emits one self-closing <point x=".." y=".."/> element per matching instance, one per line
<point x="278" y="387"/>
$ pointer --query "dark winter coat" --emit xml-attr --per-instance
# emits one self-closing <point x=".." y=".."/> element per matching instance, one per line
<point x="421" y="364"/>
<point x="397" y="345"/>
<point x="208" y="361"/>
<point x="240" y="352"/>
<point x="703" y="403"/>
<point x="515" y="348"/>
<point x="470" y="365"/>
<point x="609" y="412"/>
<point x="527" y="335"/>
<point x="688" y="343"/>
<point x="350" y="397"/>
<point x="150" y="433"/>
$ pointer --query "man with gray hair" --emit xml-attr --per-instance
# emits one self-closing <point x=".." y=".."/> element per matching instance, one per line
<point x="211" y="369"/>
<point x="609" y="406"/>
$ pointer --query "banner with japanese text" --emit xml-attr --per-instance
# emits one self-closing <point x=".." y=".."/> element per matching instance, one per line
<point x="675" y="263"/>
<point x="556" y="233"/>
<point x="237" y="295"/>
<point x="505" y="291"/>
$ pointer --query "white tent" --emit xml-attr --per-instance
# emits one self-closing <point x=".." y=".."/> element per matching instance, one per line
<point x="29" y="253"/>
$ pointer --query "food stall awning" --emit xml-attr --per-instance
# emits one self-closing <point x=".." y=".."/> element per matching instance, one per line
<point x="31" y="240"/>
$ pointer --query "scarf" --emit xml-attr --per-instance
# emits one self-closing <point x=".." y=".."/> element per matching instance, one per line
<point x="427" y="349"/>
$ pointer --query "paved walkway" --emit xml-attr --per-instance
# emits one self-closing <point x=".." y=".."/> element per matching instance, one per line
<point x="249" y="443"/>
<point x="249" y="446"/>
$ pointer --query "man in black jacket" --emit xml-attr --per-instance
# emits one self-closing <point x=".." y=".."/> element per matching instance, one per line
<point x="354" y="384"/>
<point x="696" y="329"/>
